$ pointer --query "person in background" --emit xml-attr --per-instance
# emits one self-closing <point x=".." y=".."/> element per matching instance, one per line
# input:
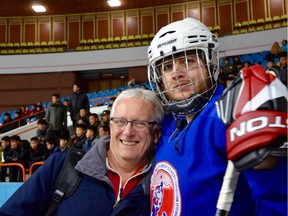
<point x="56" y="115"/>
<point x="38" y="152"/>
<point x="5" y="127"/>
<point x="91" y="138"/>
<point x="191" y="156"/>
<point x="78" y="100"/>
<point x="63" y="143"/>
<point x="40" y="112"/>
<point x="52" y="145"/>
<point x="43" y="130"/>
<point x="284" y="46"/>
<point x="116" y="171"/>
<point x="270" y="64"/>
<point x="5" y="144"/>
<point x="282" y="67"/>
<point x="103" y="130"/>
<point x="275" y="49"/>
<point x="79" y="138"/>
<point x="105" y="118"/>
<point x="84" y="115"/>
<point x="93" y="120"/>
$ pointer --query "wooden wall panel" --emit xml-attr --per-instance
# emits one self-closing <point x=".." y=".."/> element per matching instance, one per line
<point x="44" y="29"/>
<point x="132" y="22"/>
<point x="147" y="21"/>
<point x="73" y="31"/>
<point x="103" y="25"/>
<point x="209" y="13"/>
<point x="275" y="7"/>
<point x="241" y="11"/>
<point x="193" y="10"/>
<point x="162" y="17"/>
<point x="177" y="12"/>
<point x="258" y="9"/>
<point x="15" y="27"/>
<point x="225" y="18"/>
<point x="3" y="30"/>
<point x="88" y="26"/>
<point x="29" y="32"/>
<point x="59" y="28"/>
<point x="117" y="24"/>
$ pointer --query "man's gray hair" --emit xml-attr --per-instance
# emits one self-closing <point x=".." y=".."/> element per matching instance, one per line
<point x="146" y="95"/>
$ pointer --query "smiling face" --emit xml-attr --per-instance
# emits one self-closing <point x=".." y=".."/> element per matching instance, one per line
<point x="184" y="76"/>
<point x="127" y="143"/>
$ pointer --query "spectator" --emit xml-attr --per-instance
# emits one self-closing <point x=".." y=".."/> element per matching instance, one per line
<point x="270" y="64"/>
<point x="275" y="49"/>
<point x="5" y="125"/>
<point x="103" y="130"/>
<point x="63" y="143"/>
<point x="284" y="46"/>
<point x="91" y="138"/>
<point x="78" y="100"/>
<point x="105" y="118"/>
<point x="131" y="86"/>
<point x="94" y="120"/>
<point x="40" y="112"/>
<point x="19" y="120"/>
<point x="43" y="129"/>
<point x="56" y="115"/>
<point x="25" y="111"/>
<point x="38" y="152"/>
<point x="247" y="64"/>
<point x="78" y="139"/>
<point x="237" y="62"/>
<point x="5" y="144"/>
<point x="116" y="171"/>
<point x="83" y="113"/>
<point x="281" y="66"/>
<point x="52" y="145"/>
<point x="191" y="156"/>
<point x="19" y="154"/>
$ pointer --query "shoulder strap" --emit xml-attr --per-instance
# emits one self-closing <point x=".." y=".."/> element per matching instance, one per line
<point x="68" y="179"/>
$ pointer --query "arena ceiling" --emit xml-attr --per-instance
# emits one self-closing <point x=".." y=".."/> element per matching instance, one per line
<point x="12" y="8"/>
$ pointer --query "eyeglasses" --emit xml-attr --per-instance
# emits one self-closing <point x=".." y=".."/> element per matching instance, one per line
<point x="136" y="124"/>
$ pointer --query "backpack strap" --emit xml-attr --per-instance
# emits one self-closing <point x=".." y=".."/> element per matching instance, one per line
<point x="68" y="179"/>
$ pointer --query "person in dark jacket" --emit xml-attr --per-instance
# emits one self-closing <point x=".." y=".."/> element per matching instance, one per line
<point x="78" y="100"/>
<point x="5" y="124"/>
<point x="116" y="170"/>
<point x="56" y="115"/>
<point x="5" y="143"/>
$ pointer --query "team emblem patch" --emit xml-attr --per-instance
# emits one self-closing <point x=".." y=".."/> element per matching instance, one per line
<point x="165" y="194"/>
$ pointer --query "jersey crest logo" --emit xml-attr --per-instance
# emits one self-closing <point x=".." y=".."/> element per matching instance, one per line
<point x="165" y="194"/>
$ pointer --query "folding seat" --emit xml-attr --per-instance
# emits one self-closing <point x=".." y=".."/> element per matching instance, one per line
<point x="117" y="39"/>
<point x="276" y="22"/>
<point x="260" y="23"/>
<point x="45" y="50"/>
<point x="108" y="46"/>
<point x="210" y="28"/>
<point x="93" y="47"/>
<point x="59" y="49"/>
<point x="23" y="44"/>
<point x="83" y="42"/>
<point x="2" y="45"/>
<point x="144" y="37"/>
<point x="235" y="32"/>
<point x="43" y="44"/>
<point x="50" y="44"/>
<point x="137" y="43"/>
<point x="18" y="51"/>
<point x="10" y="51"/>
<point x="86" y="48"/>
<point x="79" y="48"/>
<point x="36" y="44"/>
<point x="25" y="51"/>
<point x="130" y="38"/>
<point x="116" y="46"/>
<point x="252" y="22"/>
<point x="96" y="41"/>
<point x="122" y="45"/>
<point x="30" y="44"/>
<point x="53" y="50"/>
<point x="145" y="43"/>
<point x="110" y="40"/>
<point x="137" y="37"/>
<point x="100" y="47"/>
<point x="284" y="20"/>
<point x="16" y="45"/>
<point x="9" y="45"/>
<point x="151" y="36"/>
<point x="251" y="29"/>
<point x="57" y="43"/>
<point x="90" y="42"/>
<point x="259" y="28"/>
<point x="103" y="41"/>
<point x="38" y="50"/>
<point x="123" y="38"/>
<point x="64" y="44"/>
<point x="130" y="44"/>
<point x="31" y="51"/>
<point x="268" y="26"/>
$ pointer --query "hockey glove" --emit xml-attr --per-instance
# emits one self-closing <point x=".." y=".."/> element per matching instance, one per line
<point x="254" y="110"/>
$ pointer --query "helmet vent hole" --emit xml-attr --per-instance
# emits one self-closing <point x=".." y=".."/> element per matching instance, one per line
<point x="169" y="32"/>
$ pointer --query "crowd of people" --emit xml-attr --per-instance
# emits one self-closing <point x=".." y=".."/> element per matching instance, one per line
<point x="168" y="148"/>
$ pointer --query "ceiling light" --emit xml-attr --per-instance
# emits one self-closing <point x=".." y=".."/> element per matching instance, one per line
<point x="114" y="3"/>
<point x="39" y="8"/>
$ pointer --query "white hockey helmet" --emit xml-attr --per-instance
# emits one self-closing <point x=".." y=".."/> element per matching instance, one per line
<point x="188" y="35"/>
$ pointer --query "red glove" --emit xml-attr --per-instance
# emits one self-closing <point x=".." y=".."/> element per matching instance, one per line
<point x="254" y="110"/>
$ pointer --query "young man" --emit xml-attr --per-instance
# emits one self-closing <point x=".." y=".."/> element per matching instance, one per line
<point x="191" y="156"/>
<point x="116" y="171"/>
<point x="91" y="138"/>
<point x="56" y="115"/>
<point x="79" y="138"/>
<point x="6" y="154"/>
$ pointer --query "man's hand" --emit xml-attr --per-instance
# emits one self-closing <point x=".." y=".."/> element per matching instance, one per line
<point x="254" y="110"/>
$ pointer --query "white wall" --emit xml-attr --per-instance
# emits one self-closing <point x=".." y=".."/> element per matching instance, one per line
<point x="128" y="57"/>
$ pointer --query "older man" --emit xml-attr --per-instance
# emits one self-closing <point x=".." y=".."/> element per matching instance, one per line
<point x="116" y="170"/>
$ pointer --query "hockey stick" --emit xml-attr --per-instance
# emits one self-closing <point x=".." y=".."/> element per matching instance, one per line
<point x="227" y="191"/>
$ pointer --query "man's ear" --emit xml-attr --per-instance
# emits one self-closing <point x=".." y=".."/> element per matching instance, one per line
<point x="157" y="135"/>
